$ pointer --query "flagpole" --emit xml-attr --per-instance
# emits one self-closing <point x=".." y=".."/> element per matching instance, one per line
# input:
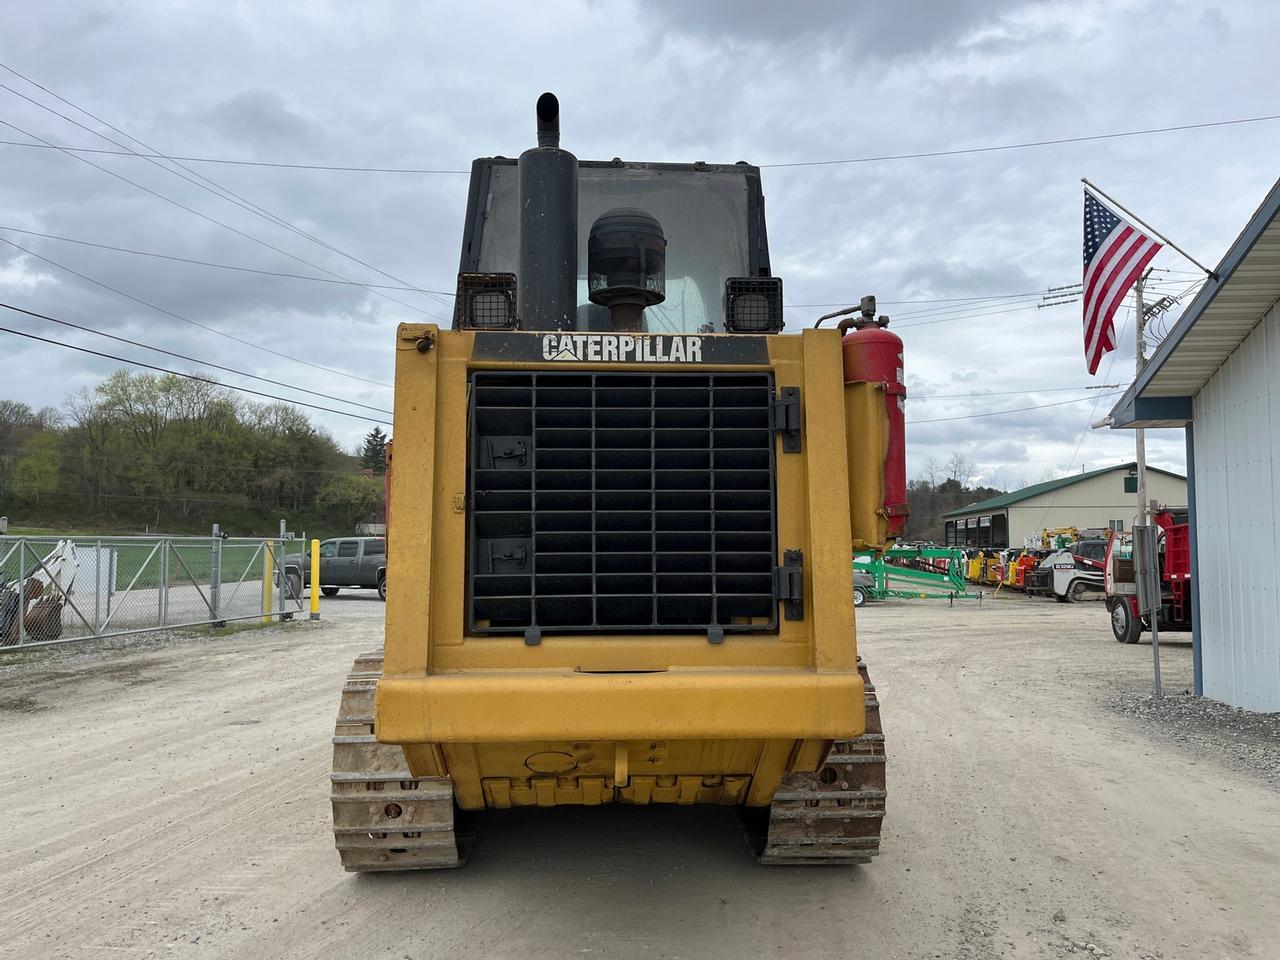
<point x="1085" y="180"/>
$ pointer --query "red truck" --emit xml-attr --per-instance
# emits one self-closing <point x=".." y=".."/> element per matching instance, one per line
<point x="1174" y="552"/>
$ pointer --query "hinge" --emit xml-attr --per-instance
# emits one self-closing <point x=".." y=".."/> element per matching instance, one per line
<point x="788" y="584"/>
<point x="786" y="418"/>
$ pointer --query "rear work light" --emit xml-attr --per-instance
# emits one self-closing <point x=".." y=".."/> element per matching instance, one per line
<point x="486" y="301"/>
<point x="753" y="304"/>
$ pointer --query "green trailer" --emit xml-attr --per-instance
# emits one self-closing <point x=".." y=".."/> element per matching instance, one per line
<point x="911" y="573"/>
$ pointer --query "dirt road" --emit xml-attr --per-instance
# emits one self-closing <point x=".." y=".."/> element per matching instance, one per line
<point x="171" y="801"/>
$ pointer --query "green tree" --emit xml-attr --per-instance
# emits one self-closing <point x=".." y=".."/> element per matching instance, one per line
<point x="36" y="473"/>
<point x="930" y="496"/>
<point x="351" y="499"/>
<point x="146" y="448"/>
<point x="17" y="423"/>
<point x="373" y="455"/>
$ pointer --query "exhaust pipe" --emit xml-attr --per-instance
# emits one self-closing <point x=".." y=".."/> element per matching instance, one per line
<point x="547" y="279"/>
<point x="548" y="110"/>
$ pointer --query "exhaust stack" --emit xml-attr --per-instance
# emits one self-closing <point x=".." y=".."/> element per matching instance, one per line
<point x="547" y="290"/>
<point x="548" y="110"/>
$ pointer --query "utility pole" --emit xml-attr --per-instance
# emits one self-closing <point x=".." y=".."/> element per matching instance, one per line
<point x="1141" y="363"/>
<point x="1144" y="515"/>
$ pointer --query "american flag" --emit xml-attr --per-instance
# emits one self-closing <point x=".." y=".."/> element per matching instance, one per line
<point x="1115" y="254"/>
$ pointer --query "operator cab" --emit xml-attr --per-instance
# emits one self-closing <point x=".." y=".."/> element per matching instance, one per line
<point x="555" y="243"/>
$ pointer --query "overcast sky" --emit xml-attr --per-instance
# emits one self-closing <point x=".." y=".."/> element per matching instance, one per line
<point x="412" y="85"/>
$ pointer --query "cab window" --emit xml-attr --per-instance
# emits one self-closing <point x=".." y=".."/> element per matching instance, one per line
<point x="1092" y="550"/>
<point x="375" y="548"/>
<point x="328" y="548"/>
<point x="348" y="548"/>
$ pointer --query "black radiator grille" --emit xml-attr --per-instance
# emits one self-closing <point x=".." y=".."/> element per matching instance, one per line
<point x="621" y="502"/>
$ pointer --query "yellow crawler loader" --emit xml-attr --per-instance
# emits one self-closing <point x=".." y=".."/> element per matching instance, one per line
<point x="624" y="512"/>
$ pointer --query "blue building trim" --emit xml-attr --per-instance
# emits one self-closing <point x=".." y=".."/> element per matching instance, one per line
<point x="1197" y="672"/>
<point x="1146" y="409"/>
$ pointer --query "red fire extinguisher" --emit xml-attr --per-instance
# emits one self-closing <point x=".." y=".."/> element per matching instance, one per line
<point x="873" y="355"/>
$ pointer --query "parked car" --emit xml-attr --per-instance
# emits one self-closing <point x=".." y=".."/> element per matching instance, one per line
<point x="864" y="585"/>
<point x="344" y="562"/>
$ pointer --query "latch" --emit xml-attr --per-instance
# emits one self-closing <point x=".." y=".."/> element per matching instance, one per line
<point x="508" y="448"/>
<point x="520" y="554"/>
<point x="788" y="584"/>
<point x="502" y="554"/>
<point x="786" y="418"/>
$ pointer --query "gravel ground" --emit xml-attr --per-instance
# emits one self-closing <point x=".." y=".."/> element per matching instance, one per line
<point x="170" y="800"/>
<point x="1247" y="741"/>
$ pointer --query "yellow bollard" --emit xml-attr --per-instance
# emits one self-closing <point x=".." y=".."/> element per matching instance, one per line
<point x="267" y="585"/>
<point x="315" y="579"/>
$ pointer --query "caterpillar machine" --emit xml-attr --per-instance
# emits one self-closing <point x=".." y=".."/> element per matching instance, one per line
<point x="624" y="510"/>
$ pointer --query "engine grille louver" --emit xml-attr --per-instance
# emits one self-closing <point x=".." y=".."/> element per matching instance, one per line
<point x="604" y="502"/>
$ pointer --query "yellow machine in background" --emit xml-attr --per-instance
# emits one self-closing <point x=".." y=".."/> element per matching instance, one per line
<point x="975" y="565"/>
<point x="624" y="509"/>
<point x="1012" y="557"/>
<point x="1058" y="537"/>
<point x="993" y="567"/>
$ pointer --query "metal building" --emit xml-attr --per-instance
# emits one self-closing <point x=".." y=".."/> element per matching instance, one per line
<point x="1100" y="499"/>
<point x="1217" y="373"/>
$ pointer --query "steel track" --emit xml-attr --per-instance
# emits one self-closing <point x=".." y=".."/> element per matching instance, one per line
<point x="386" y="819"/>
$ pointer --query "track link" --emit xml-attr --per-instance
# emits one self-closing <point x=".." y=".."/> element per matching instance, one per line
<point x="831" y="816"/>
<point x="383" y="817"/>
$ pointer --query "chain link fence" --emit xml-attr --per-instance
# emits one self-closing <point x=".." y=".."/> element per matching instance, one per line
<point x="54" y="590"/>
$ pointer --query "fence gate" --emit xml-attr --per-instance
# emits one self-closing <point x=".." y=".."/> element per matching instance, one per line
<point x="53" y="590"/>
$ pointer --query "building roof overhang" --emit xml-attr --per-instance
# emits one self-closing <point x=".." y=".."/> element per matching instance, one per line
<point x="1227" y="308"/>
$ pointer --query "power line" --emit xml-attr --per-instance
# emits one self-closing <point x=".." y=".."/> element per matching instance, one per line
<point x="957" y="304"/>
<point x="182" y="356"/>
<point x="190" y="376"/>
<point x="998" y="413"/>
<point x="845" y="303"/>
<point x="203" y="216"/>
<point x="964" y="308"/>
<point x="445" y="293"/>
<point x="194" y="323"/>
<point x="217" y="188"/>
<point x="977" y="301"/>
<point x="220" y="266"/>
<point x="238" y="163"/>
<point x="976" y="309"/>
<point x="1160" y="327"/>
<point x="365" y="168"/>
<point x="966" y="316"/>
<point x="1020" y="146"/>
<point x="976" y="315"/>
<point x="1029" y="295"/>
<point x="1004" y="393"/>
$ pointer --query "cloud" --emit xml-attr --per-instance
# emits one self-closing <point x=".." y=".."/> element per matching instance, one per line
<point x="260" y="118"/>
<point x="870" y="30"/>
<point x="413" y="87"/>
<point x="922" y="277"/>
